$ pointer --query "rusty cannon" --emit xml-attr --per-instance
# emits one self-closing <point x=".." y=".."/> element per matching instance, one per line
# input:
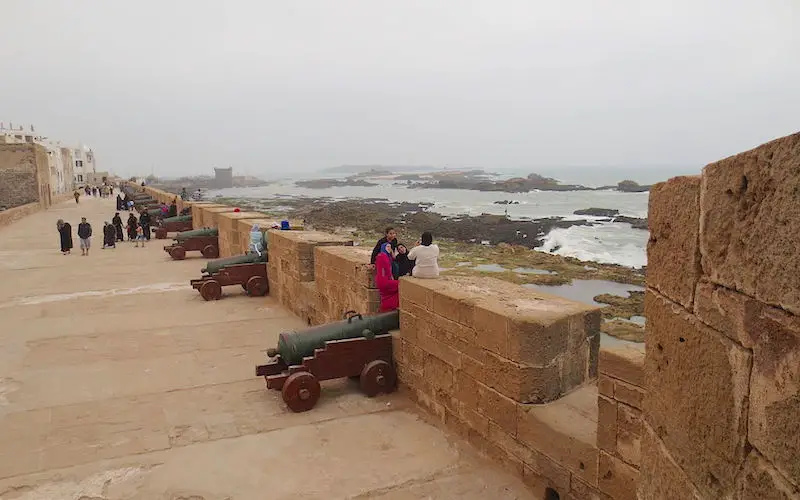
<point x="357" y="347"/>
<point x="204" y="240"/>
<point x="249" y="271"/>
<point x="173" y="225"/>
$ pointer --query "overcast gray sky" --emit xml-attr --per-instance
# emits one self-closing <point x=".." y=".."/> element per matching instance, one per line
<point x="275" y="87"/>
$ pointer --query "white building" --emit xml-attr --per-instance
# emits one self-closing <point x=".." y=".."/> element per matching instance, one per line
<point x="69" y="167"/>
<point x="84" y="166"/>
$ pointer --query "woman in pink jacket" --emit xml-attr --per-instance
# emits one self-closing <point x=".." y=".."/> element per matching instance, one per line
<point x="387" y="285"/>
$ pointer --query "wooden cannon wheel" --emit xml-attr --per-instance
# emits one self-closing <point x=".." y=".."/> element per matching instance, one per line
<point x="177" y="252"/>
<point x="211" y="290"/>
<point x="257" y="286"/>
<point x="301" y="391"/>
<point x="377" y="376"/>
<point x="210" y="252"/>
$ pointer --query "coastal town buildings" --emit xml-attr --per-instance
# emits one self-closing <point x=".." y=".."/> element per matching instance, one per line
<point x="35" y="168"/>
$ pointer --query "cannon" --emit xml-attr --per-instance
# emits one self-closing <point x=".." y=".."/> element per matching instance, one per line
<point x="249" y="271"/>
<point x="204" y="240"/>
<point x="357" y="347"/>
<point x="173" y="224"/>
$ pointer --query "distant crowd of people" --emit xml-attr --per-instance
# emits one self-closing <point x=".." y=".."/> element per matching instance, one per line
<point x="393" y="259"/>
<point x="138" y="229"/>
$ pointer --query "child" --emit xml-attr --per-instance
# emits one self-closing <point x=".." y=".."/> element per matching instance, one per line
<point x="140" y="235"/>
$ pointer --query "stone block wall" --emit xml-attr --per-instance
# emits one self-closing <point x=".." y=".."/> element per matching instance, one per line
<point x="291" y="263"/>
<point x="24" y="175"/>
<point x="721" y="414"/>
<point x="619" y="421"/>
<point x="199" y="214"/>
<point x="494" y="362"/>
<point x="344" y="282"/>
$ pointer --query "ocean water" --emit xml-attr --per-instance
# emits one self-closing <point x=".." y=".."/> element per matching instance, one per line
<point x="606" y="242"/>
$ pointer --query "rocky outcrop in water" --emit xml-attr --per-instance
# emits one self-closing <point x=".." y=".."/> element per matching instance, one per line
<point x="612" y="215"/>
<point x="329" y="183"/>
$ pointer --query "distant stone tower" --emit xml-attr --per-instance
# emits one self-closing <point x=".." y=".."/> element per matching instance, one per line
<point x="223" y="177"/>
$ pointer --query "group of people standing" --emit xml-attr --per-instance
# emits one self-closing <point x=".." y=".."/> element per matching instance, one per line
<point x="393" y="259"/>
<point x="65" y="236"/>
<point x="138" y="231"/>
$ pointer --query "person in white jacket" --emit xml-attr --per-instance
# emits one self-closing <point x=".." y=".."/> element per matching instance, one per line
<point x="426" y="256"/>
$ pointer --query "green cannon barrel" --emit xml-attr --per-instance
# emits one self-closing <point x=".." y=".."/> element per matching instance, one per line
<point x="154" y="213"/>
<point x="197" y="233"/>
<point x="177" y="218"/>
<point x="215" y="265"/>
<point x="294" y="346"/>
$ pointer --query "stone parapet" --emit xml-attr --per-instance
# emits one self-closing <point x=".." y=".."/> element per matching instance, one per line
<point x="291" y="262"/>
<point x="619" y="423"/>
<point x="199" y="211"/>
<point x="345" y="282"/>
<point x="478" y="352"/>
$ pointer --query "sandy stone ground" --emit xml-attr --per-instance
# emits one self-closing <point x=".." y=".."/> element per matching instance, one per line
<point x="117" y="381"/>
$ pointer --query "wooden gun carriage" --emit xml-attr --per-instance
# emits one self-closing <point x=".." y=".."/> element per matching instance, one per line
<point x="358" y="347"/>
<point x="205" y="241"/>
<point x="249" y="271"/>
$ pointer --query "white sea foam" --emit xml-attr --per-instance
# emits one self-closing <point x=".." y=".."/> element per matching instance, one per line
<point x="605" y="243"/>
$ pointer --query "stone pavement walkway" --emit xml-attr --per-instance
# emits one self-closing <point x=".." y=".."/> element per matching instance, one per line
<point x="117" y="381"/>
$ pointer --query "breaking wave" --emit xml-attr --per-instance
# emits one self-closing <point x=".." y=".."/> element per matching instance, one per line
<point x="604" y="243"/>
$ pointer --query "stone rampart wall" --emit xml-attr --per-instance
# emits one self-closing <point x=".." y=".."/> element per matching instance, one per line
<point x="12" y="215"/>
<point x="722" y="367"/>
<point x="708" y="410"/>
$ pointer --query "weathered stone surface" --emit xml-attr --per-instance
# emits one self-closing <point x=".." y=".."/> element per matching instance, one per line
<point x="580" y="490"/>
<point x="605" y="386"/>
<point x="660" y="478"/>
<point x="727" y="311"/>
<point x="760" y="480"/>
<point x="750" y="222"/>
<point x="628" y="394"/>
<point x="697" y="385"/>
<point x="673" y="257"/>
<point x="522" y="383"/>
<point x="499" y="409"/>
<point x="564" y="431"/>
<point x="629" y="433"/>
<point x="623" y="363"/>
<point x="774" y="423"/>
<point x="616" y="478"/>
<point x="606" y="424"/>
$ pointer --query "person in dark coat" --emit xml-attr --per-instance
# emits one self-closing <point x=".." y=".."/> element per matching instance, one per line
<point x="65" y="234"/>
<point x="173" y="208"/>
<point x="390" y="236"/>
<point x="109" y="236"/>
<point x="119" y="202"/>
<point x="85" y="236"/>
<point x="144" y="220"/>
<point x="132" y="223"/>
<point x="402" y="264"/>
<point x="117" y="222"/>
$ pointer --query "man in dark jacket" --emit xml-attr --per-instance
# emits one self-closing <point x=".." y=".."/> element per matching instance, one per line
<point x="85" y="235"/>
<point x="390" y="237"/>
<point x="144" y="220"/>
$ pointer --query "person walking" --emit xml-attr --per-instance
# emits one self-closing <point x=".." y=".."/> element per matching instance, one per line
<point x="65" y="235"/>
<point x="77" y="195"/>
<point x="85" y="235"/>
<point x="140" y="235"/>
<point x="117" y="222"/>
<point x="144" y="221"/>
<point x="132" y="224"/>
<point x="109" y="236"/>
